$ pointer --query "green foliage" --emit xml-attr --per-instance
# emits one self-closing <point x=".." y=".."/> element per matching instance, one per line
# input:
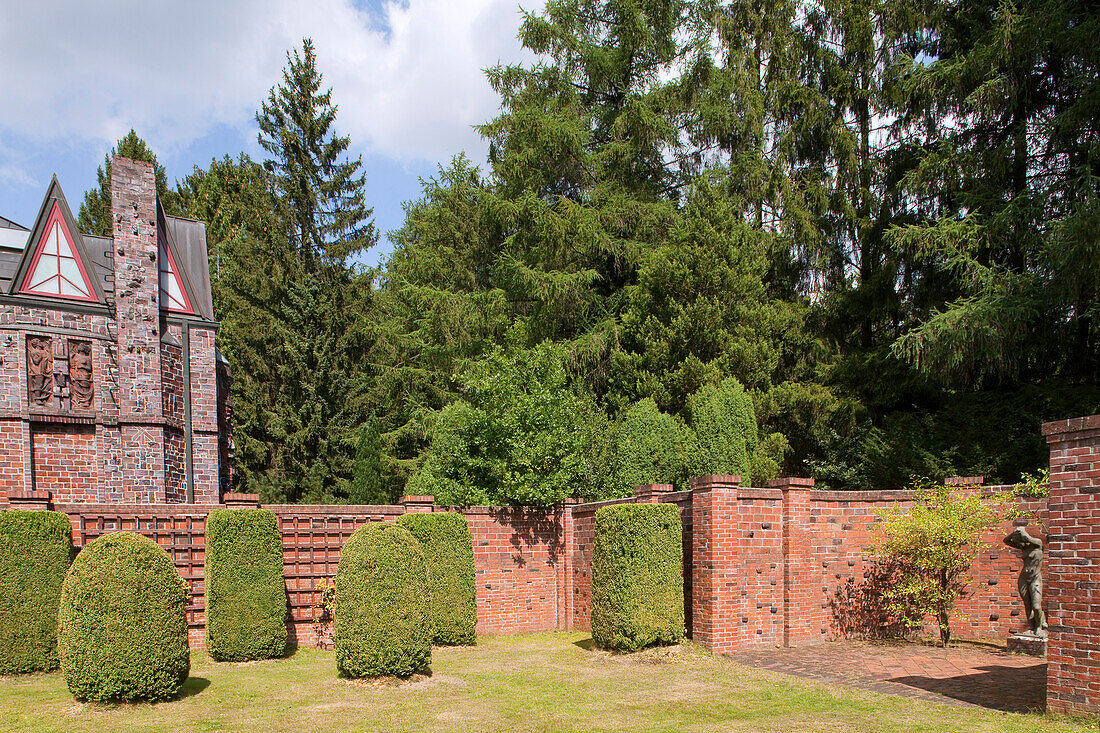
<point x="1036" y="486"/>
<point x="35" y="550"/>
<point x="725" y="430"/>
<point x="637" y="582"/>
<point x="95" y="209"/>
<point x="323" y="196"/>
<point x="449" y="556"/>
<point x="246" y="609"/>
<point x="366" y="476"/>
<point x="649" y="448"/>
<point x="382" y="606"/>
<point x="522" y="433"/>
<point x="122" y="628"/>
<point x="931" y="547"/>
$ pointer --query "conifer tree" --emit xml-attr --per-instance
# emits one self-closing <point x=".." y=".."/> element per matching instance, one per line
<point x="95" y="209"/>
<point x="366" y="480"/>
<point x="328" y="217"/>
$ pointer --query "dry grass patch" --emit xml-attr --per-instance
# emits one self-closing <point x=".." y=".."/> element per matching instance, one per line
<point x="531" y="683"/>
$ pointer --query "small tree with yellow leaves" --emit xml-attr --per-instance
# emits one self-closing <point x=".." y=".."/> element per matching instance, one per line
<point x="931" y="547"/>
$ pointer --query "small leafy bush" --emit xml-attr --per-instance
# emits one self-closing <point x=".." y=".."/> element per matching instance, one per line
<point x="245" y="596"/>
<point x="931" y="548"/>
<point x="35" y="550"/>
<point x="122" y="628"/>
<point x="637" y="582"/>
<point x="383" y="622"/>
<point x="449" y="555"/>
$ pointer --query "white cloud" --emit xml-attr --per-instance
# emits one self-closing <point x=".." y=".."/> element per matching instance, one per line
<point x="409" y="84"/>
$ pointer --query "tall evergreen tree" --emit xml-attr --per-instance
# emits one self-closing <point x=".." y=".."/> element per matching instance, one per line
<point x="329" y="219"/>
<point x="95" y="209"/>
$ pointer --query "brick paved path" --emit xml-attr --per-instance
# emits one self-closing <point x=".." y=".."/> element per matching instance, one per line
<point x="969" y="674"/>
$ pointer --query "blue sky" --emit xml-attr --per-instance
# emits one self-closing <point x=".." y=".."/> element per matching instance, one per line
<point x="188" y="77"/>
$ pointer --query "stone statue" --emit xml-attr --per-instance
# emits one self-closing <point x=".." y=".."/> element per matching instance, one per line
<point x="80" y="375"/>
<point x="1030" y="584"/>
<point x="39" y="369"/>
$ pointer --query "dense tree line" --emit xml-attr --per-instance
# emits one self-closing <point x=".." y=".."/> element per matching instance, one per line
<point x="853" y="239"/>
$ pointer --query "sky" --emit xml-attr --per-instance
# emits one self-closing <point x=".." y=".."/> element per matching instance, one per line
<point x="189" y="76"/>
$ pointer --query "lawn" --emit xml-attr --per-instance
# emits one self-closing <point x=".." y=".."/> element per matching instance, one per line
<point x="535" y="682"/>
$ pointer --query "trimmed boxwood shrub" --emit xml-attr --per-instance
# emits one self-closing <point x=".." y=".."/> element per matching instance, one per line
<point x="637" y="582"/>
<point x="381" y="625"/>
<point x="35" y="550"/>
<point x="449" y="555"/>
<point x="123" y="624"/>
<point x="245" y="595"/>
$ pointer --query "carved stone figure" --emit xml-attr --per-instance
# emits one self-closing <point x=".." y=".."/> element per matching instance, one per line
<point x="39" y="369"/>
<point x="1030" y="584"/>
<point x="80" y="375"/>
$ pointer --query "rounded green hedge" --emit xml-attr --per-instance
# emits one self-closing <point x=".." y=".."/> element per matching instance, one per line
<point x="637" y="579"/>
<point x="123" y="624"/>
<point x="381" y="619"/>
<point x="449" y="555"/>
<point x="35" y="551"/>
<point x="245" y="596"/>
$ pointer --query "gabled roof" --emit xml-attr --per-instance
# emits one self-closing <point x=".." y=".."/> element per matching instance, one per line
<point x="55" y="263"/>
<point x="185" y="239"/>
<point x="175" y="286"/>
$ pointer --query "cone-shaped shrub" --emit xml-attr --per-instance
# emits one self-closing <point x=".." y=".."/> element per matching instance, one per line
<point x="35" y="550"/>
<point x="637" y="581"/>
<point x="381" y="625"/>
<point x="245" y="595"/>
<point x="449" y="555"/>
<point x="123" y="624"/>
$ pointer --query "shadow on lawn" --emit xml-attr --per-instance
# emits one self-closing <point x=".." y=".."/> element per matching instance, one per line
<point x="1012" y="689"/>
<point x="193" y="686"/>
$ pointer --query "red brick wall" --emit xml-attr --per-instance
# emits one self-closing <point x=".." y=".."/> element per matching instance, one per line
<point x="782" y="565"/>
<point x="1073" y="554"/>
<point x="65" y="461"/>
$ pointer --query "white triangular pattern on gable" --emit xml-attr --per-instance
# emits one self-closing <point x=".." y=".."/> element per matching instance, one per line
<point x="55" y="269"/>
<point x="172" y="295"/>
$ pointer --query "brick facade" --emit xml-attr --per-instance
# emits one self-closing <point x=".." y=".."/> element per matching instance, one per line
<point x="1073" y="556"/>
<point x="149" y="431"/>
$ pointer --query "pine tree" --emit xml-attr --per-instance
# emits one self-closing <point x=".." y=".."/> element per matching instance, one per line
<point x="95" y="209"/>
<point x="329" y="219"/>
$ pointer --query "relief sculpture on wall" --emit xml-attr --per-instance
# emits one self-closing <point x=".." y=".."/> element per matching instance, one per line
<point x="39" y="369"/>
<point x="80" y="374"/>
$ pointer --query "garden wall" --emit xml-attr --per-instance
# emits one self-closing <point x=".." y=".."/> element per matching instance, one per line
<point x="782" y="565"/>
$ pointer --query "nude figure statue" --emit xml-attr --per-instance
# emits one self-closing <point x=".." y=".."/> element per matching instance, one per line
<point x="1030" y="584"/>
<point x="80" y="375"/>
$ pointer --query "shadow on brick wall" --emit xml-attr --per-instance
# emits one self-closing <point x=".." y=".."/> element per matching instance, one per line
<point x="858" y="607"/>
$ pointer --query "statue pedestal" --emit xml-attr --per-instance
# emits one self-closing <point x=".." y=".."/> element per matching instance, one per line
<point x="1034" y="646"/>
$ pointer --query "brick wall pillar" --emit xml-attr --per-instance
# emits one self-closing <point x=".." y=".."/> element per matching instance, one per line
<point x="137" y="310"/>
<point x="651" y="493"/>
<point x="563" y="561"/>
<point x="242" y="501"/>
<point x="1072" y="575"/>
<point x="803" y="609"/>
<point x="417" y="504"/>
<point x="715" y="578"/>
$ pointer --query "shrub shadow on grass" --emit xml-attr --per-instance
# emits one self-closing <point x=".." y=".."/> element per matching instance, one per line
<point x="589" y="644"/>
<point x="387" y="680"/>
<point x="193" y="686"/>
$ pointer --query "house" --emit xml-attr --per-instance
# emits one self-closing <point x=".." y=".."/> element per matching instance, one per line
<point x="112" y="389"/>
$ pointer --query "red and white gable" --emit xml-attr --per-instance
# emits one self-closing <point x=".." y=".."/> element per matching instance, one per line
<point x="173" y="294"/>
<point x="55" y="263"/>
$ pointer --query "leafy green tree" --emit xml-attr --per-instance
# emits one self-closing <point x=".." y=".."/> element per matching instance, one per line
<point x="931" y="547"/>
<point x="726" y="434"/>
<point x="522" y="433"/>
<point x="95" y="209"/>
<point x="328" y="216"/>
<point x="366" y="479"/>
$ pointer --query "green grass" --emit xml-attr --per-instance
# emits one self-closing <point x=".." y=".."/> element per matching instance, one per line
<point x="535" y="682"/>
